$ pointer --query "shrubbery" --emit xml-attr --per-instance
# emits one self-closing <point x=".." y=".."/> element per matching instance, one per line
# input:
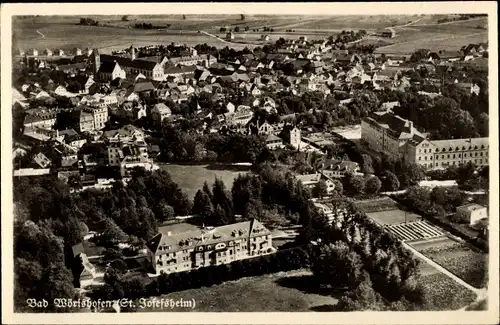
<point x="284" y="260"/>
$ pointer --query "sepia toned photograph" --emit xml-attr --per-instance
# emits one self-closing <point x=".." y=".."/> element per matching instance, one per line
<point x="237" y="162"/>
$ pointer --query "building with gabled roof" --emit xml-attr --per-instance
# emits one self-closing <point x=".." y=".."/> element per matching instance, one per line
<point x="176" y="252"/>
<point x="472" y="213"/>
<point x="398" y="138"/>
<point x="339" y="168"/>
<point x="41" y="160"/>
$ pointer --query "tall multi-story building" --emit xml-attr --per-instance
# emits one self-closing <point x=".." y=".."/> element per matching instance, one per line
<point x="85" y="121"/>
<point x="171" y="253"/>
<point x="119" y="150"/>
<point x="398" y="138"/>
<point x="99" y="115"/>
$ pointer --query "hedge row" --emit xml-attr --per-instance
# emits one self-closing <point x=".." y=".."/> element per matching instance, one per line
<point x="283" y="260"/>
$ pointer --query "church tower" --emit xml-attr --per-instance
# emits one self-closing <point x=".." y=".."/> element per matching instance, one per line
<point x="96" y="62"/>
<point x="132" y="52"/>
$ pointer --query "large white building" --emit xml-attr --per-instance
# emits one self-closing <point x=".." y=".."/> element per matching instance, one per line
<point x="185" y="251"/>
<point x="398" y="138"/>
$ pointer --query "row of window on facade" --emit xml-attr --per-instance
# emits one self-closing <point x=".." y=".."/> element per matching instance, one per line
<point x="447" y="163"/>
<point x="451" y="149"/>
<point x="476" y="154"/>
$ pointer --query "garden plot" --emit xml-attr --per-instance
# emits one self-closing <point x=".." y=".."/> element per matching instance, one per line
<point x="461" y="260"/>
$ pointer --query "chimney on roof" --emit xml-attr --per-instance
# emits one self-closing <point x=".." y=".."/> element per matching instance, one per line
<point x="412" y="130"/>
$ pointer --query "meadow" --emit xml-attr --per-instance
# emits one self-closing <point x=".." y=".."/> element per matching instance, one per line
<point x="190" y="178"/>
<point x="392" y="217"/>
<point x="447" y="36"/>
<point x="63" y="32"/>
<point x="280" y="292"/>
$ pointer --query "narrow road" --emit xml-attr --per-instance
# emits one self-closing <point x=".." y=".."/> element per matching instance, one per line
<point x="215" y="36"/>
<point x="40" y="33"/>
<point x="480" y="293"/>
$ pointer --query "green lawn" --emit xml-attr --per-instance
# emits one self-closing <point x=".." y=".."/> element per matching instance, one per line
<point x="267" y="293"/>
<point x="392" y="217"/>
<point x="191" y="177"/>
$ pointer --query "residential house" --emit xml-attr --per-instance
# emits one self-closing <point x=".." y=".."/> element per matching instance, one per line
<point x="99" y="115"/>
<point x="160" y="111"/>
<point x="310" y="181"/>
<point x="469" y="87"/>
<point x="41" y="160"/>
<point x="78" y="262"/>
<point x="339" y="168"/>
<point x="472" y="213"/>
<point x="40" y="119"/>
<point x="450" y="56"/>
<point x="273" y="142"/>
<point x="85" y="121"/>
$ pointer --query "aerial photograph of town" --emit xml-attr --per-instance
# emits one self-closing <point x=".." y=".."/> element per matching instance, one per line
<point x="250" y="163"/>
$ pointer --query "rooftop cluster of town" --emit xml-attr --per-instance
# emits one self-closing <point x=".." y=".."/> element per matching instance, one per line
<point x="68" y="99"/>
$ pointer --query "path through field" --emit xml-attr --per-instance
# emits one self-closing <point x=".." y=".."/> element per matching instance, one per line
<point x="40" y="33"/>
<point x="215" y="36"/>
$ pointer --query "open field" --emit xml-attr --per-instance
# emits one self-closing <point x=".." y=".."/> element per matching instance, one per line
<point x="190" y="178"/>
<point x="446" y="36"/>
<point x="435" y="43"/>
<point x="268" y="293"/>
<point x="442" y="293"/>
<point x="41" y="33"/>
<point x="462" y="261"/>
<point x="393" y="217"/>
<point x="176" y="228"/>
<point x="413" y="31"/>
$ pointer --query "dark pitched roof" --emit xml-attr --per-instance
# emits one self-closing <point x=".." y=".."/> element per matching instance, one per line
<point x="107" y="67"/>
<point x="143" y="86"/>
<point x="127" y="62"/>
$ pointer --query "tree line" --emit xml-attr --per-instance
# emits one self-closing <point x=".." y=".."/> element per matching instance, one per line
<point x="353" y="253"/>
<point x="118" y="285"/>
<point x="88" y="22"/>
